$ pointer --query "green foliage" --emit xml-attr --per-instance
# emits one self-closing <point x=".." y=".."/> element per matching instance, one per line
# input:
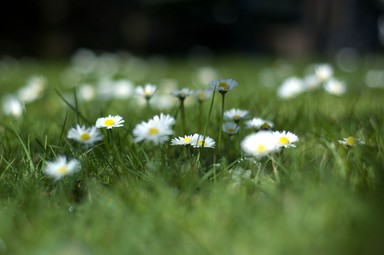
<point x="138" y="198"/>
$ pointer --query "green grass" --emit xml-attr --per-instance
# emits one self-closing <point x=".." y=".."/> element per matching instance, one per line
<point x="144" y="199"/>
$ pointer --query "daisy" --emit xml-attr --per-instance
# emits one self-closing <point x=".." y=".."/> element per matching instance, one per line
<point x="259" y="123"/>
<point x="61" y="167"/>
<point x="202" y="95"/>
<point x="199" y="141"/>
<point x="223" y="85"/>
<point x="259" y="144"/>
<point x="147" y="91"/>
<point x="187" y="139"/>
<point x="110" y="122"/>
<point x="290" y="88"/>
<point x="87" y="136"/>
<point x="285" y="139"/>
<point x="182" y="93"/>
<point x="335" y="87"/>
<point x="235" y="115"/>
<point x="157" y="130"/>
<point x="12" y="106"/>
<point x="323" y="72"/>
<point x="230" y="128"/>
<point x="351" y="141"/>
<point x="311" y="82"/>
<point x="33" y="90"/>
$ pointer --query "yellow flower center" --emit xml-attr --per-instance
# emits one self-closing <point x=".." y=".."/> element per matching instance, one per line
<point x="350" y="140"/>
<point x="283" y="140"/>
<point x="223" y="86"/>
<point x="236" y="117"/>
<point x="261" y="148"/>
<point x="85" y="137"/>
<point x="186" y="139"/>
<point x="265" y="126"/>
<point x="201" y="143"/>
<point x="201" y="96"/>
<point x="153" y="131"/>
<point x="63" y="169"/>
<point x="231" y="130"/>
<point x="109" y="122"/>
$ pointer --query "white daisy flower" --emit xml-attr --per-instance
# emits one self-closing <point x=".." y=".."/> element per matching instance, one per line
<point x="182" y="93"/>
<point x="259" y="123"/>
<point x="13" y="106"/>
<point x="323" y="72"/>
<point x="311" y="82"/>
<point x="351" y="141"/>
<point x="157" y="130"/>
<point x="199" y="141"/>
<point x="147" y="91"/>
<point x="110" y="122"/>
<point x="235" y="115"/>
<point x="202" y="95"/>
<point x="87" y="92"/>
<point x="223" y="85"/>
<point x="259" y="144"/>
<point x="122" y="89"/>
<point x="87" y="136"/>
<point x="230" y="128"/>
<point x="182" y="140"/>
<point x="290" y="88"/>
<point x="33" y="90"/>
<point x="285" y="139"/>
<point x="335" y="87"/>
<point x="61" y="167"/>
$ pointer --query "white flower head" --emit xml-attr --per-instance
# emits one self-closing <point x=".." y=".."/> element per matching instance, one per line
<point x="335" y="87"/>
<point x="182" y="140"/>
<point x="259" y="144"/>
<point x="223" y="85"/>
<point x="61" y="167"/>
<point x="147" y="91"/>
<point x="202" y="95"/>
<point x="199" y="141"/>
<point x="182" y="93"/>
<point x="323" y="72"/>
<point x="258" y="123"/>
<point x="230" y="128"/>
<point x="13" y="106"/>
<point x="110" y="122"/>
<point x="87" y="136"/>
<point x="285" y="139"/>
<point x="311" y="82"/>
<point x="87" y="92"/>
<point x="351" y="141"/>
<point x="33" y="90"/>
<point x="235" y="115"/>
<point x="290" y="88"/>
<point x="157" y="130"/>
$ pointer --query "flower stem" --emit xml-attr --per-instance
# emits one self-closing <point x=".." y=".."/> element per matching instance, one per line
<point x="182" y="114"/>
<point x="221" y="120"/>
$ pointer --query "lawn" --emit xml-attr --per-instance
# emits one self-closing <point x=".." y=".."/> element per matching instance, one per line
<point x="129" y="194"/>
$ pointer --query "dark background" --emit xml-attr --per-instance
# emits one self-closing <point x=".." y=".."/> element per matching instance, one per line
<point x="56" y="28"/>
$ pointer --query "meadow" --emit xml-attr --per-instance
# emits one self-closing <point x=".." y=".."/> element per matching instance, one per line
<point x="131" y="195"/>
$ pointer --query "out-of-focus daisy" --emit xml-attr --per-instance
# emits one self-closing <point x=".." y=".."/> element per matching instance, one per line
<point x="33" y="90"/>
<point x="285" y="139"/>
<point x="61" y="167"/>
<point x="351" y="141"/>
<point x="259" y="144"/>
<point x="223" y="85"/>
<point x="87" y="136"/>
<point x="323" y="72"/>
<point x="291" y="87"/>
<point x="200" y="141"/>
<point x="202" y="95"/>
<point x="230" y="128"/>
<point x="87" y="92"/>
<point x="12" y="106"/>
<point x="157" y="130"/>
<point x="206" y="74"/>
<point x="182" y="93"/>
<point x="122" y="89"/>
<point x="335" y="87"/>
<point x="235" y="115"/>
<point x="146" y="91"/>
<point x="311" y="82"/>
<point x="182" y="140"/>
<point x="258" y="123"/>
<point x="110" y="122"/>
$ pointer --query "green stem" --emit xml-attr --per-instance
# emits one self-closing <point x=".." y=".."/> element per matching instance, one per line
<point x="221" y="121"/>
<point x="182" y="114"/>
